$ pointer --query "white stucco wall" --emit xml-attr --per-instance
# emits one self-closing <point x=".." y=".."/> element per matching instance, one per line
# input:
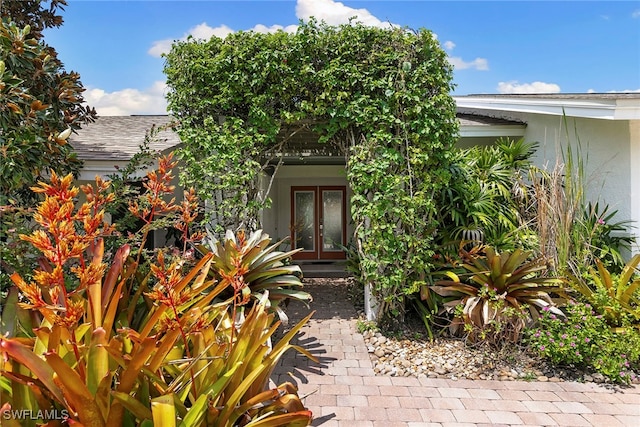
<point x="276" y="220"/>
<point x="606" y="154"/>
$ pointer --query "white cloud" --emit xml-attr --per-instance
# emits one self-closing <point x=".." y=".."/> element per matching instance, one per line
<point x="635" y="14"/>
<point x="336" y="13"/>
<point x="205" y="32"/>
<point x="615" y="91"/>
<point x="624" y="91"/>
<point x="200" y="31"/>
<point x="480" y="64"/>
<point x="536" y="87"/>
<point x="272" y="29"/>
<point x="449" y="45"/>
<point x="128" y="101"/>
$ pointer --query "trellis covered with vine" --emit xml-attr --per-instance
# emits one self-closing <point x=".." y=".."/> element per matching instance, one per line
<point x="380" y="96"/>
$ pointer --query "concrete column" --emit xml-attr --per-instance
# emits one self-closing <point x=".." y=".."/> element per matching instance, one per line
<point x="370" y="304"/>
<point x="634" y="158"/>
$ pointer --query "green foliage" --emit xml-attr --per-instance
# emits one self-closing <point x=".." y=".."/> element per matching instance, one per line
<point x="379" y="96"/>
<point x="583" y="338"/>
<point x="39" y="101"/>
<point x="615" y="296"/>
<point x="607" y="238"/>
<point x="15" y="254"/>
<point x="572" y="232"/>
<point x="498" y="296"/>
<point x="32" y="12"/>
<point x="488" y="195"/>
<point x="363" y="326"/>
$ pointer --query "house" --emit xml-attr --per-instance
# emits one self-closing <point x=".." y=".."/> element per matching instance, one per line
<point x="112" y="141"/>
<point x="606" y="126"/>
<point x="310" y="192"/>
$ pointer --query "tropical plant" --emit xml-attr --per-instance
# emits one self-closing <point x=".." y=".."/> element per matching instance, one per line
<point x="608" y="238"/>
<point x="256" y="268"/>
<point x="488" y="199"/>
<point x="615" y="296"/>
<point x="127" y="186"/>
<point x="500" y="290"/>
<point x="68" y="347"/>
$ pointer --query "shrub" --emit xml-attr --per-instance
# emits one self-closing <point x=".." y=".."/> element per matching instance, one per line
<point x="488" y="196"/>
<point x="68" y="343"/>
<point x="584" y="339"/>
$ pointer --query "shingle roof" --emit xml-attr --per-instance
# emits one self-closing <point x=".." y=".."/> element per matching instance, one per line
<point x="119" y="137"/>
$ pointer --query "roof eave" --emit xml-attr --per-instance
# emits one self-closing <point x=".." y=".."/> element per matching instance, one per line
<point x="105" y="168"/>
<point x="467" y="131"/>
<point x="608" y="109"/>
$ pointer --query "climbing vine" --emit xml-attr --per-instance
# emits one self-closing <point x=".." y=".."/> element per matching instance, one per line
<point x="379" y="96"/>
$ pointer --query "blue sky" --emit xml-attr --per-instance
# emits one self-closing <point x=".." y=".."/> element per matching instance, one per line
<point x="496" y="47"/>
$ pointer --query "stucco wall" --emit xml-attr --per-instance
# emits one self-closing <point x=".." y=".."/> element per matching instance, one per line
<point x="276" y="220"/>
<point x="606" y="154"/>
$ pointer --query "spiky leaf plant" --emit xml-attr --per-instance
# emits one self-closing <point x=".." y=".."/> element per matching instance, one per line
<point x="499" y="290"/>
<point x="615" y="296"/>
<point x="253" y="267"/>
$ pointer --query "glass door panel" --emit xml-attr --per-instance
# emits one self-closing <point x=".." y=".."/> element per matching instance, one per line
<point x="331" y="229"/>
<point x="333" y="218"/>
<point x="303" y="227"/>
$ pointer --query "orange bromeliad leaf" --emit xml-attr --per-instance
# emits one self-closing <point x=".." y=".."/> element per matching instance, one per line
<point x="76" y="392"/>
<point x="40" y="369"/>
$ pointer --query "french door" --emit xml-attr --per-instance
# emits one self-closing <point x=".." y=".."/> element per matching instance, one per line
<point x="318" y="221"/>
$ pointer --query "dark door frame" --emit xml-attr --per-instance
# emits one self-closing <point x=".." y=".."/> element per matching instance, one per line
<point x="318" y="253"/>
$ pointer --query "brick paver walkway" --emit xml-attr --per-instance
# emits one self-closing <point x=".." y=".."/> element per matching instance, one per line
<point x="344" y="391"/>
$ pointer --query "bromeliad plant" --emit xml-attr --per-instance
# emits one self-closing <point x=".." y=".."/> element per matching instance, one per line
<point x="498" y="296"/>
<point x="614" y="296"/>
<point x="252" y="267"/>
<point x="72" y="351"/>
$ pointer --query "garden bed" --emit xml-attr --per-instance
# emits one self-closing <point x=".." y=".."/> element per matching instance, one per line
<point x="407" y="354"/>
<point x="408" y="351"/>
